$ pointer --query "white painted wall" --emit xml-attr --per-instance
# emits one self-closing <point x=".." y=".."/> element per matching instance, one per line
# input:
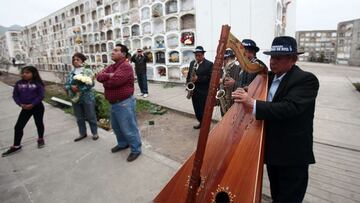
<point x="254" y="19"/>
<point x="291" y="19"/>
<point x="10" y="44"/>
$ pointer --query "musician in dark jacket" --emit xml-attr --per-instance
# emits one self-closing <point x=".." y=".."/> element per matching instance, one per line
<point x="288" y="114"/>
<point x="201" y="79"/>
<point x="251" y="49"/>
<point x="230" y="74"/>
<point x="140" y="60"/>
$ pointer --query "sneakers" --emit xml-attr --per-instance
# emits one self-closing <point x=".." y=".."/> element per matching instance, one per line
<point x="139" y="94"/>
<point x="95" y="137"/>
<point x="132" y="157"/>
<point x="197" y="126"/>
<point x="117" y="148"/>
<point x="11" y="150"/>
<point x="80" y="138"/>
<point x="40" y="143"/>
<point x="145" y="95"/>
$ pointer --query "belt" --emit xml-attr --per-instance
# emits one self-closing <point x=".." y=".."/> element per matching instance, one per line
<point x="116" y="101"/>
<point x="119" y="100"/>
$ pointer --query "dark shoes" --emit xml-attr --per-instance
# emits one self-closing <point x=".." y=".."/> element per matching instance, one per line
<point x="80" y="138"/>
<point x="117" y="148"/>
<point x="197" y="126"/>
<point x="132" y="157"/>
<point x="11" y="150"/>
<point x="40" y="143"/>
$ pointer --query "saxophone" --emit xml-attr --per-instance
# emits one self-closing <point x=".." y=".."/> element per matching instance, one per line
<point x="223" y="96"/>
<point x="190" y="86"/>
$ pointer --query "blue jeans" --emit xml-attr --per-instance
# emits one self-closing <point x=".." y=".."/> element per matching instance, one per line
<point x="124" y="124"/>
<point x="85" y="111"/>
<point x="142" y="81"/>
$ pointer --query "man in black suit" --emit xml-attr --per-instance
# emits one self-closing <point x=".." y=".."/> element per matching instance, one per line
<point x="201" y="79"/>
<point x="245" y="78"/>
<point x="140" y="61"/>
<point x="288" y="114"/>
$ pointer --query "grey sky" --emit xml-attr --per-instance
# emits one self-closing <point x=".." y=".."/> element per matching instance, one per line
<point x="325" y="14"/>
<point x="311" y="14"/>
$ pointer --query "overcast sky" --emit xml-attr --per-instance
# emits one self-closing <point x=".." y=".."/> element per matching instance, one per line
<point x="311" y="14"/>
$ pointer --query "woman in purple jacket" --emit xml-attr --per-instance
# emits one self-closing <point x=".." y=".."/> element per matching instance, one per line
<point x="28" y="94"/>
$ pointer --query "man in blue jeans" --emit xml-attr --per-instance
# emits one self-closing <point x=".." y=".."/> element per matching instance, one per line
<point x="118" y="81"/>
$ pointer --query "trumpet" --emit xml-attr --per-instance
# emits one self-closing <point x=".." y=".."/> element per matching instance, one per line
<point x="190" y="86"/>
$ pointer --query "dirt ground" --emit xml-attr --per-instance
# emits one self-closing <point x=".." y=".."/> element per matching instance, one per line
<point x="171" y="135"/>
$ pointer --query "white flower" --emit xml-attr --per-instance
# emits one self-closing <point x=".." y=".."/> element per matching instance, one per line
<point x="84" y="79"/>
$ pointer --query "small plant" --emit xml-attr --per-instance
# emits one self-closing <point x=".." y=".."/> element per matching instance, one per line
<point x="52" y="93"/>
<point x="69" y="110"/>
<point x="142" y="105"/>
<point x="168" y="85"/>
<point x="357" y="86"/>
<point x="102" y="106"/>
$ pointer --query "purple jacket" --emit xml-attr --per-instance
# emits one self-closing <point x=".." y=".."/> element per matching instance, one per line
<point x="26" y="92"/>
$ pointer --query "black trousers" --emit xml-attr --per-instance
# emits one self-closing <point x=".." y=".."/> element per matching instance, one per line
<point x="288" y="183"/>
<point x="199" y="100"/>
<point x="142" y="81"/>
<point x="38" y="113"/>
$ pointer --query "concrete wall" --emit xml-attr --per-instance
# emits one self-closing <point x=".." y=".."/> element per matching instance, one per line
<point x="253" y="19"/>
<point x="355" y="45"/>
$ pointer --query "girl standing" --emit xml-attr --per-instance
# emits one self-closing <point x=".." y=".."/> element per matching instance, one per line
<point x="84" y="105"/>
<point x="28" y="94"/>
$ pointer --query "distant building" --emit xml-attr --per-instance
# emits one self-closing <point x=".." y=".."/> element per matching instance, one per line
<point x="348" y="43"/>
<point x="167" y="30"/>
<point x="319" y="45"/>
<point x="12" y="47"/>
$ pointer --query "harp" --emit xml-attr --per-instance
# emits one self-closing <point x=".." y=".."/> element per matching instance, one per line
<point x="227" y="165"/>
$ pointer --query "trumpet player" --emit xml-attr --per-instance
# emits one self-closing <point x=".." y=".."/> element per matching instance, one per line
<point x="201" y="80"/>
<point x="230" y="74"/>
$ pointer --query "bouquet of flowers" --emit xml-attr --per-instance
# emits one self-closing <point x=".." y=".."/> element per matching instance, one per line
<point x="80" y="80"/>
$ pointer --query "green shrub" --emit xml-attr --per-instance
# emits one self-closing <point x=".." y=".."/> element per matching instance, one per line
<point x="142" y="105"/>
<point x="102" y="106"/>
<point x="50" y="93"/>
<point x="357" y="86"/>
<point x="69" y="110"/>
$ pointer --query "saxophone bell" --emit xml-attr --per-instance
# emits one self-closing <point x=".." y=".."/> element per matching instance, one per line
<point x="190" y="86"/>
<point x="220" y="96"/>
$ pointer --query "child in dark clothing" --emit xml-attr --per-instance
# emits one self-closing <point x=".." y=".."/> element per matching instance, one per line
<point x="28" y="94"/>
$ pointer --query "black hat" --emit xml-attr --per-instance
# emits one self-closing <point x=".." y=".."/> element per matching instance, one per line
<point x="199" y="49"/>
<point x="283" y="45"/>
<point x="250" y="44"/>
<point x="229" y="53"/>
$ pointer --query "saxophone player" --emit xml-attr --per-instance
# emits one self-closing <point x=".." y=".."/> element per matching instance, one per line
<point x="251" y="49"/>
<point x="201" y="80"/>
<point x="230" y="74"/>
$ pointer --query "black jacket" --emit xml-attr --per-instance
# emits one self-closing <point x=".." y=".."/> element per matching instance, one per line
<point x="203" y="73"/>
<point x="289" y="119"/>
<point x="246" y="78"/>
<point x="140" y="63"/>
